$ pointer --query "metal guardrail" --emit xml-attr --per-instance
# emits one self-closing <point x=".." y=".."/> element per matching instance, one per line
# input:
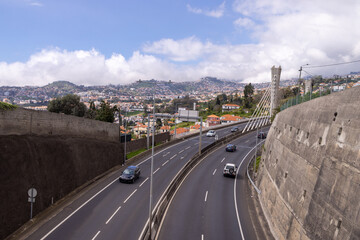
<point x="160" y="208"/>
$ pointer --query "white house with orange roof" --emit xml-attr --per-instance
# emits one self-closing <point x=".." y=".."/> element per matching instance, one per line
<point x="212" y="120"/>
<point x="227" y="118"/>
<point x="230" y="107"/>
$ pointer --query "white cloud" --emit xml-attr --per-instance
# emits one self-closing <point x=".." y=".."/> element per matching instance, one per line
<point x="246" y="23"/>
<point x="36" y="4"/>
<point x="287" y="33"/>
<point x="217" y="13"/>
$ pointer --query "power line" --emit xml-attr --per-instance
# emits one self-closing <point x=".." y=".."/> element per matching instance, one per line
<point x="329" y="65"/>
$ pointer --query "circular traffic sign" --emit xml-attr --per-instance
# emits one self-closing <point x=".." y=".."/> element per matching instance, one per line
<point x="32" y="192"/>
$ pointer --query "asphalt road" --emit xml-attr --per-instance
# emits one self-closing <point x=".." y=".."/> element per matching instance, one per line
<point x="113" y="210"/>
<point x="204" y="205"/>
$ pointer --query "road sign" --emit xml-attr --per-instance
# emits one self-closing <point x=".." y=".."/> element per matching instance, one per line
<point x="32" y="192"/>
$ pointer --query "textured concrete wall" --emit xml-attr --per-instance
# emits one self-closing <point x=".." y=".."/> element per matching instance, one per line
<point x="310" y="171"/>
<point x="29" y="122"/>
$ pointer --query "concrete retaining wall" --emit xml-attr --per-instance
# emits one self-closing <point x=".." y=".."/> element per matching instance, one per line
<point x="29" y="122"/>
<point x="310" y="171"/>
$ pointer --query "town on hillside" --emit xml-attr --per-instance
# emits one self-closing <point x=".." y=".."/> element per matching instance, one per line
<point x="217" y="101"/>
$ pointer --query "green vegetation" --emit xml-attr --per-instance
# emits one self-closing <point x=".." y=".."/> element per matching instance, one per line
<point x="134" y="153"/>
<point x="258" y="159"/>
<point x="69" y="104"/>
<point x="7" y="106"/>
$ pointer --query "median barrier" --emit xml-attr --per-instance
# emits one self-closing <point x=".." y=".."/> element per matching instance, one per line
<point x="163" y="203"/>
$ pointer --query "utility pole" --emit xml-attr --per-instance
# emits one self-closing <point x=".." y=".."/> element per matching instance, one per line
<point x="125" y="136"/>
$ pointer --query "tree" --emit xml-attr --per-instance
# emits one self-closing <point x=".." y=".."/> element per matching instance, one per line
<point x="105" y="112"/>
<point x="69" y="104"/>
<point x="248" y="94"/>
<point x="91" y="112"/>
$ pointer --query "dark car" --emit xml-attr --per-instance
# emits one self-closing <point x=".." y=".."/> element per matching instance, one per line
<point x="130" y="174"/>
<point x="262" y="135"/>
<point x="234" y="129"/>
<point x="230" y="148"/>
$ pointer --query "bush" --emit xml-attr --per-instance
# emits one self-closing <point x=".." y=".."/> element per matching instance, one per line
<point x="7" y="106"/>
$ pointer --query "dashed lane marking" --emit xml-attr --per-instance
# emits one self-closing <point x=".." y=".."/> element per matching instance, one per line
<point x="113" y="215"/>
<point x="165" y="163"/>
<point x="144" y="181"/>
<point x="156" y="170"/>
<point x="173" y="156"/>
<point x="214" y="172"/>
<point x="95" y="235"/>
<point x="130" y="195"/>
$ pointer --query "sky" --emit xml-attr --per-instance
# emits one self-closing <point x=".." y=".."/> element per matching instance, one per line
<point x="90" y="42"/>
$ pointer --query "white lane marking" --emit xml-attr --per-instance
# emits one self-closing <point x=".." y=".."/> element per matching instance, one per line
<point x="247" y="141"/>
<point x="156" y="170"/>
<point x="77" y="210"/>
<point x="144" y="181"/>
<point x="187" y="148"/>
<point x="95" y="235"/>
<point x="166" y="154"/>
<point x="130" y="195"/>
<point x="173" y="156"/>
<point x="222" y="159"/>
<point x="196" y="143"/>
<point x="206" y="195"/>
<point x="202" y="236"/>
<point x="181" y="151"/>
<point x="181" y="158"/>
<point x="214" y="172"/>
<point x="113" y="215"/>
<point x="236" y="207"/>
<point x="165" y="163"/>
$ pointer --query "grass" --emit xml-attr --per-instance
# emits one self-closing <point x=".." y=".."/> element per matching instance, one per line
<point x="258" y="159"/>
<point x="7" y="106"/>
<point x="137" y="152"/>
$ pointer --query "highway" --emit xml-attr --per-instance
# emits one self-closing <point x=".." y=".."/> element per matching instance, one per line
<point x="204" y="205"/>
<point x="113" y="210"/>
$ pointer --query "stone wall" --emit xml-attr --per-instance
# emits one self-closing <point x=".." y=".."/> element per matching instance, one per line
<point x="29" y="122"/>
<point x="310" y="171"/>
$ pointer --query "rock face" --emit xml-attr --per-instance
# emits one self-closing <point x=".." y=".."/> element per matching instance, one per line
<point x="310" y="171"/>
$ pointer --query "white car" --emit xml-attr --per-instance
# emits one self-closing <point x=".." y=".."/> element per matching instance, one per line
<point x="211" y="133"/>
<point x="230" y="170"/>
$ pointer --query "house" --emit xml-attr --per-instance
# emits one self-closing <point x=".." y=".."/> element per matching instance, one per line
<point x="194" y="127"/>
<point x="179" y="131"/>
<point x="227" y="118"/>
<point x="140" y="129"/>
<point x="165" y="129"/>
<point x="230" y="107"/>
<point x="212" y="120"/>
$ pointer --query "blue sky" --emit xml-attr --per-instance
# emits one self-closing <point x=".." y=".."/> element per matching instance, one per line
<point x="101" y="42"/>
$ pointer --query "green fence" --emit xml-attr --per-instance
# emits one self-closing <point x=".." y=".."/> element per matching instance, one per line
<point x="300" y="99"/>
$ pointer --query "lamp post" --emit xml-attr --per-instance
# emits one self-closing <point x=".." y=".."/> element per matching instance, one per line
<point x="300" y="70"/>
<point x="125" y="124"/>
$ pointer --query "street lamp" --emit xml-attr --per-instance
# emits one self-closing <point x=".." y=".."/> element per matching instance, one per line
<point x="300" y="70"/>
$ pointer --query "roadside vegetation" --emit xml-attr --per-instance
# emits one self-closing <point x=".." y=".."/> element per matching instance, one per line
<point x="6" y="106"/>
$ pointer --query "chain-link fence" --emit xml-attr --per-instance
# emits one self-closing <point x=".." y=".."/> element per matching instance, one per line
<point x="300" y="99"/>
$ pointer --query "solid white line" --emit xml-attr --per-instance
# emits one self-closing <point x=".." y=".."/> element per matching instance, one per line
<point x="130" y="195"/>
<point x="173" y="156"/>
<point x="214" y="172"/>
<point x="144" y="181"/>
<point x="113" y="215"/>
<point x="206" y="195"/>
<point x="165" y="163"/>
<point x="181" y="151"/>
<point x="156" y="170"/>
<point x="187" y="147"/>
<point x="95" y="235"/>
<point x="236" y="207"/>
<point x="77" y="210"/>
<point x="222" y="159"/>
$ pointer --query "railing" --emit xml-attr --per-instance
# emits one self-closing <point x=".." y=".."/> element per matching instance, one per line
<point x="300" y="99"/>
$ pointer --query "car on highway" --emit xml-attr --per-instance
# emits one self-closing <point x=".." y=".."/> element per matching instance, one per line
<point x="130" y="174"/>
<point x="230" y="170"/>
<point x="211" y="133"/>
<point x="262" y="135"/>
<point x="230" y="148"/>
<point x="234" y="129"/>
